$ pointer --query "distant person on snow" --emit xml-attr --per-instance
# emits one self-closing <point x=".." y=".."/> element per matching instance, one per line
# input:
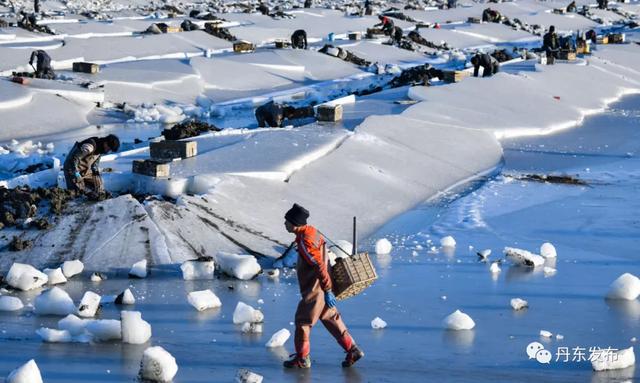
<point x="318" y="301"/>
<point x="299" y="39"/>
<point x="491" y="16"/>
<point x="43" y="64"/>
<point x="397" y="35"/>
<point x="551" y="45"/>
<point x="82" y="165"/>
<point x="262" y="8"/>
<point x="272" y="115"/>
<point x="603" y="4"/>
<point x="308" y="3"/>
<point x="572" y="8"/>
<point x="368" y="9"/>
<point x="489" y="64"/>
<point x="386" y="24"/>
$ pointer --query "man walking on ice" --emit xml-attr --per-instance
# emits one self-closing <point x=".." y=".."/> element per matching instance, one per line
<point x="318" y="301"/>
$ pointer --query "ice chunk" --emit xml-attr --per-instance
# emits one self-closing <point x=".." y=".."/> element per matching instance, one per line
<point x="245" y="376"/>
<point x="549" y="271"/>
<point x="484" y="254"/>
<point x="378" y="324"/>
<point x="559" y="337"/>
<point x="273" y="273"/>
<point x="245" y="313"/>
<point x="27" y="373"/>
<point x="54" y="301"/>
<point x="50" y="335"/>
<point x="73" y="324"/>
<point x="135" y="330"/>
<point x="627" y="287"/>
<point x="340" y="249"/>
<point x="89" y="305"/>
<point x="459" y="321"/>
<point x="519" y="304"/>
<point x="139" y="269"/>
<point x="383" y="246"/>
<point x="495" y="268"/>
<point x="251" y="328"/>
<point x="240" y="266"/>
<point x="158" y="365"/>
<point x="279" y="338"/>
<point x="547" y="250"/>
<point x="98" y="277"/>
<point x="105" y="329"/>
<point x="25" y="277"/>
<point x="71" y="268"/>
<point x="448" y="241"/>
<point x="523" y="257"/>
<point x="194" y="270"/>
<point x="546" y="334"/>
<point x="614" y="360"/>
<point x="203" y="300"/>
<point x="125" y="298"/>
<point x="10" y="303"/>
<point x="56" y="276"/>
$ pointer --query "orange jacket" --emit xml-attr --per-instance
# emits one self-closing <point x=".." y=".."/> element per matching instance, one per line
<point x="311" y="249"/>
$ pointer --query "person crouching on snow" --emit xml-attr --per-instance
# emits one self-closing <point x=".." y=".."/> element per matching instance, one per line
<point x="318" y="301"/>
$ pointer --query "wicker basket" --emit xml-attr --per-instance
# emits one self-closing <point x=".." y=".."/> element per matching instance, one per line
<point x="352" y="275"/>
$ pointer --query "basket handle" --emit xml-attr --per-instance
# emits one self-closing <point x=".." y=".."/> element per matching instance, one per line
<point x="355" y="240"/>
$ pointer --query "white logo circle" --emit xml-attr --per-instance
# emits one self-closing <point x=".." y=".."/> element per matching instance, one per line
<point x="533" y="348"/>
<point x="543" y="356"/>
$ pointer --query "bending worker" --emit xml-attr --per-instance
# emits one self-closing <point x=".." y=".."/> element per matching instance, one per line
<point x="299" y="39"/>
<point x="43" y="64"/>
<point x="386" y="25"/>
<point x="489" y="64"/>
<point x="318" y="301"/>
<point x="82" y="165"/>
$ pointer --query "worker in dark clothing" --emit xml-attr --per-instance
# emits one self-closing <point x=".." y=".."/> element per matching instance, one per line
<point x="189" y="26"/>
<point x="551" y="45"/>
<point x="491" y="16"/>
<point x="452" y="4"/>
<point x="308" y="3"/>
<point x="82" y="165"/>
<point x="591" y="35"/>
<point x="386" y="24"/>
<point x="603" y="4"/>
<point x="43" y="64"/>
<point x="272" y="115"/>
<point x="262" y="8"/>
<point x="36" y="6"/>
<point x="299" y="39"/>
<point x="368" y="9"/>
<point x="397" y="35"/>
<point x="489" y="64"/>
<point x="318" y="301"/>
<point x="572" y="8"/>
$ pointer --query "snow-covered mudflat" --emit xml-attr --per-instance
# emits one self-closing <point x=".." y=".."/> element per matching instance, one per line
<point x="591" y="227"/>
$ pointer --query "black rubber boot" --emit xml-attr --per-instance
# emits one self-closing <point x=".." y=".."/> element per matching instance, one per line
<point x="296" y="362"/>
<point x="353" y="355"/>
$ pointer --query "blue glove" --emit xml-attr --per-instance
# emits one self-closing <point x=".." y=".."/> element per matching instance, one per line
<point x="330" y="299"/>
<point x="78" y="175"/>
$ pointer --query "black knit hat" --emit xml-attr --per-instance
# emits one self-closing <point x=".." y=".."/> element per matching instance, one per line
<point x="297" y="215"/>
